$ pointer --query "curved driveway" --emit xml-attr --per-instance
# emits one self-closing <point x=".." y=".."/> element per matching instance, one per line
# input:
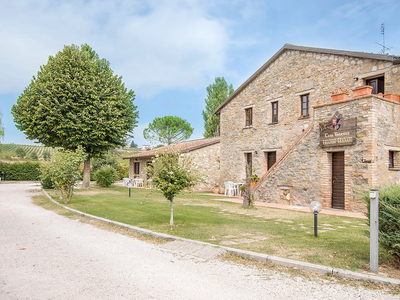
<point x="47" y="256"/>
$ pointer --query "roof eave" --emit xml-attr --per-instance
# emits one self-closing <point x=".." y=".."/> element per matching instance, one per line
<point x="182" y="151"/>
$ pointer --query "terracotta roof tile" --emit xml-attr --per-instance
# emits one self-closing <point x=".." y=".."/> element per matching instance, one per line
<point x="183" y="147"/>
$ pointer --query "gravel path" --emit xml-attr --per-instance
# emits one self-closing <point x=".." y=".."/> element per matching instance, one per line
<point x="47" y="256"/>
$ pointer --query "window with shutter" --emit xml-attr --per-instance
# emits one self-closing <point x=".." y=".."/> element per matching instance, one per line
<point x="249" y="117"/>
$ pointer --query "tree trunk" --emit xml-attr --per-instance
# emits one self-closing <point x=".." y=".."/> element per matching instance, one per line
<point x="247" y="193"/>
<point x="171" y="220"/>
<point x="86" y="174"/>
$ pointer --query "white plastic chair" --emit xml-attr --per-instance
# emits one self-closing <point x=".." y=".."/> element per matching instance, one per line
<point x="139" y="182"/>
<point x="229" y="188"/>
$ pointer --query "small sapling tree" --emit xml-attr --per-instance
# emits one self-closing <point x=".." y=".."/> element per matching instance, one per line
<point x="171" y="173"/>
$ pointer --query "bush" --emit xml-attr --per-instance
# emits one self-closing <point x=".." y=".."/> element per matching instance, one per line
<point x="122" y="171"/>
<point x="46" y="155"/>
<point x="25" y="171"/>
<point x="46" y="181"/>
<point x="389" y="219"/>
<point x="106" y="176"/>
<point x="64" y="170"/>
<point x="34" y="156"/>
<point x="20" y="152"/>
<point x="111" y="159"/>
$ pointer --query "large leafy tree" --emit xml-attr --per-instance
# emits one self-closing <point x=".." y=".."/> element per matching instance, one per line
<point x="77" y="100"/>
<point x="168" y="130"/>
<point x="217" y="92"/>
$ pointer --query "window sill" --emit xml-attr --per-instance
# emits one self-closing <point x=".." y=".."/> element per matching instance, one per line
<point x="272" y="123"/>
<point x="394" y="169"/>
<point x="305" y="117"/>
<point x="247" y="127"/>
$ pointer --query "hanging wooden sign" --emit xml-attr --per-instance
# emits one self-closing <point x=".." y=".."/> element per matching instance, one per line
<point x="338" y="132"/>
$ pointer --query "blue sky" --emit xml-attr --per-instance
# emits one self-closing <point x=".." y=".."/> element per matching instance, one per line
<point x="169" y="51"/>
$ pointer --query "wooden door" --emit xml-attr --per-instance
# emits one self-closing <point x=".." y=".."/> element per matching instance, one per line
<point x="338" y="180"/>
<point x="271" y="159"/>
<point x="378" y="85"/>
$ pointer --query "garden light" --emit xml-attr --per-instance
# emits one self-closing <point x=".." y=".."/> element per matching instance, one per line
<point x="129" y="186"/>
<point x="315" y="208"/>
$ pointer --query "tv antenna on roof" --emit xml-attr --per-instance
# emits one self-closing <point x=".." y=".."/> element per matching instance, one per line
<point x="384" y="48"/>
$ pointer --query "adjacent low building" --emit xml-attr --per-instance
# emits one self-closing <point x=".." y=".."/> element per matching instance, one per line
<point x="205" y="154"/>
<point x="305" y="144"/>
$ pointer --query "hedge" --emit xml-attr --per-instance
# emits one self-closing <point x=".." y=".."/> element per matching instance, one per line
<point x="389" y="219"/>
<point x="20" y="171"/>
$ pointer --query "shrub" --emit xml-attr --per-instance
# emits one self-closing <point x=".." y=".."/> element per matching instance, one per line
<point x="111" y="159"/>
<point x="106" y="176"/>
<point x="20" y="171"/>
<point x="20" y="152"/>
<point x="46" y="181"/>
<point x="389" y="219"/>
<point x="34" y="156"/>
<point x="64" y="170"/>
<point x="122" y="171"/>
<point x="46" y="155"/>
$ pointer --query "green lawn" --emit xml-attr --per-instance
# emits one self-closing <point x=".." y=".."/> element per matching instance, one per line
<point x="341" y="242"/>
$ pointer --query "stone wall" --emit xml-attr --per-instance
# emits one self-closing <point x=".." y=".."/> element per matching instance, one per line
<point x="304" y="175"/>
<point x="292" y="74"/>
<point x="205" y="159"/>
<point x="142" y="166"/>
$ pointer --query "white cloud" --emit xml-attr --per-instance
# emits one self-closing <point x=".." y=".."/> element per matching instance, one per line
<point x="154" y="45"/>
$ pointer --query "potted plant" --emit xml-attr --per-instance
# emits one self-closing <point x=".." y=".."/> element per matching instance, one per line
<point x="253" y="180"/>
<point x="216" y="189"/>
<point x="362" y="91"/>
<point x="392" y="96"/>
<point x="340" y="94"/>
<point x="242" y="189"/>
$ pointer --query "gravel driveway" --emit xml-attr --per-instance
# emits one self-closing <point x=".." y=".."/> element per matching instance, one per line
<point x="47" y="256"/>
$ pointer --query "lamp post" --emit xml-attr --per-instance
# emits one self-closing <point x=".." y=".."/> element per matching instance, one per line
<point x="129" y="187"/>
<point x="315" y="208"/>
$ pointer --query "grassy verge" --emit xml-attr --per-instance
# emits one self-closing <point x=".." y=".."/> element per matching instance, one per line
<point x="341" y="243"/>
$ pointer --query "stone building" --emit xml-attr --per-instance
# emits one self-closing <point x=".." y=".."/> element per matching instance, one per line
<point x="304" y="144"/>
<point x="204" y="153"/>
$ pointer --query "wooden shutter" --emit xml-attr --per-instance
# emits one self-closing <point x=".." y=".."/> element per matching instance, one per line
<point x="249" y="116"/>
<point x="304" y="105"/>
<point x="338" y="180"/>
<point x="249" y="161"/>
<point x="136" y="168"/>
<point x="378" y="85"/>
<point x="271" y="159"/>
<point x="275" y="112"/>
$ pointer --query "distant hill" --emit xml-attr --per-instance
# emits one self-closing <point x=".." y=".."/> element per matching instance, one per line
<point x="7" y="151"/>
